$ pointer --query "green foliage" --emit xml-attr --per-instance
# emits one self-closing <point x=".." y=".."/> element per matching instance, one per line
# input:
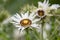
<point x="3" y="15"/>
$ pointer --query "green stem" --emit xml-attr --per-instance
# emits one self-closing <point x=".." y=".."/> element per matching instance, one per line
<point x="27" y="34"/>
<point x="42" y="33"/>
<point x="42" y="29"/>
<point x="36" y="34"/>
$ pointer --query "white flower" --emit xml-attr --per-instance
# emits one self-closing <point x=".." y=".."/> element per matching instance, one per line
<point x="47" y="26"/>
<point x="45" y="35"/>
<point x="24" y="20"/>
<point x="44" y="8"/>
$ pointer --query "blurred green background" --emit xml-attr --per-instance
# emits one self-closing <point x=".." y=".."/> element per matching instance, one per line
<point x="10" y="7"/>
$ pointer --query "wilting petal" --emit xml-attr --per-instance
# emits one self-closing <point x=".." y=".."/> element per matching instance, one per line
<point x="35" y="26"/>
<point x="54" y="6"/>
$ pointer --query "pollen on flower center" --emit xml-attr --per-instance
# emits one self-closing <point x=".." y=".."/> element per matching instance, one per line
<point x="25" y="22"/>
<point x="40" y="12"/>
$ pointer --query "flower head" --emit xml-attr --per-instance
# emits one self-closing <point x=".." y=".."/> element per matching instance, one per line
<point x="44" y="8"/>
<point x="24" y="21"/>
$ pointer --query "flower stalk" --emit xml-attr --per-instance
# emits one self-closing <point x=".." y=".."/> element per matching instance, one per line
<point x="27" y="34"/>
<point x="42" y="29"/>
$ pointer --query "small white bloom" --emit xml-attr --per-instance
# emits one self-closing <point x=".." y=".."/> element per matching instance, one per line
<point x="44" y="8"/>
<point x="44" y="35"/>
<point x="40" y="28"/>
<point x="24" y="21"/>
<point x="17" y="34"/>
<point x="47" y="26"/>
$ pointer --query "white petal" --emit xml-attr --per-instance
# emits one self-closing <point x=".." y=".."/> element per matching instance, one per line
<point x="22" y="15"/>
<point x="32" y="17"/>
<point x="15" y="22"/>
<point x="47" y="2"/>
<point x="35" y="20"/>
<point x="19" y="28"/>
<point x="35" y="25"/>
<point x="40" y="4"/>
<point x="14" y="19"/>
<point x="44" y="2"/>
<point x="54" y="6"/>
<point x="17" y="25"/>
<point x="31" y="14"/>
<point x="18" y="16"/>
<point x="26" y="15"/>
<point x="22" y="29"/>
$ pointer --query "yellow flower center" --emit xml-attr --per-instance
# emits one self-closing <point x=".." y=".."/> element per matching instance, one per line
<point x="25" y="22"/>
<point x="40" y="12"/>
